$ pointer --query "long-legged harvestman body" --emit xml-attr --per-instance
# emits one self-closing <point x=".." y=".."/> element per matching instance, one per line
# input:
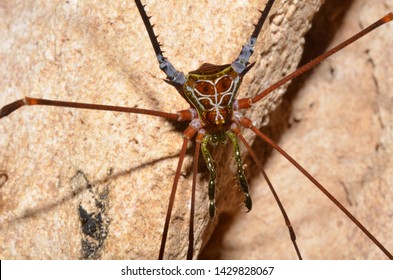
<point x="128" y="167"/>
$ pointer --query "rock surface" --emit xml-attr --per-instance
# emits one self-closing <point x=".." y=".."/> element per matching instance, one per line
<point x="86" y="184"/>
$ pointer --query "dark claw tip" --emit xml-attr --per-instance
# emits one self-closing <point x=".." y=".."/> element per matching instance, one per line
<point x="248" y="202"/>
<point x="212" y="209"/>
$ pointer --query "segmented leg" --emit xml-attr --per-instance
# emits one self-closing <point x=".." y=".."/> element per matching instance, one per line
<point x="193" y="189"/>
<point x="30" y="101"/>
<point x="172" y="74"/>
<point x="240" y="172"/>
<point x="275" y="195"/>
<point x="241" y="62"/>
<point x="212" y="170"/>
<point x="247" y="123"/>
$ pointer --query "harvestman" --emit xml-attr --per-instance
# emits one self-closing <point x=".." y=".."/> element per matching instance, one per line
<point x="215" y="117"/>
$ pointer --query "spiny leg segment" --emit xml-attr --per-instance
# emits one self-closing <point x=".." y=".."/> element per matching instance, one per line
<point x="240" y="172"/>
<point x="172" y="74"/>
<point x="212" y="172"/>
<point x="241" y="64"/>
<point x="241" y="178"/>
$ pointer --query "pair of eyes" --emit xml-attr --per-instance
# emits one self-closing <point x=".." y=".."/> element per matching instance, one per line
<point x="221" y="86"/>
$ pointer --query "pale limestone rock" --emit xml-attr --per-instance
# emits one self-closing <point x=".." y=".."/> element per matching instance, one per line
<point x="122" y="166"/>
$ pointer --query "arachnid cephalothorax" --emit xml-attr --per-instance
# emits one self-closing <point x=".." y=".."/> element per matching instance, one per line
<point x="214" y="116"/>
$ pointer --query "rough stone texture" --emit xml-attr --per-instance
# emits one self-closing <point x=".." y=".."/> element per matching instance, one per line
<point x="64" y="164"/>
<point x="337" y="122"/>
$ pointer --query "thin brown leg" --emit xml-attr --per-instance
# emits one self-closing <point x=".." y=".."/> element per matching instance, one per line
<point x="172" y="198"/>
<point x="192" y="210"/>
<point x="29" y="101"/>
<point x="248" y="124"/>
<point x="282" y="209"/>
<point x="245" y="103"/>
